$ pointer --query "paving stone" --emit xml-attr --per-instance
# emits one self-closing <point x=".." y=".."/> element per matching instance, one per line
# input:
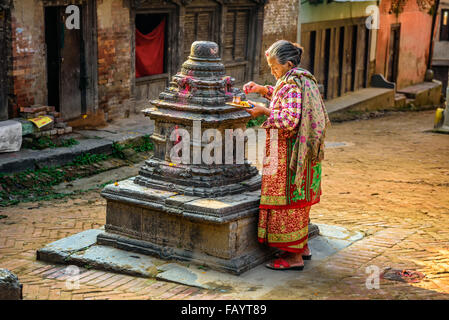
<point x="60" y="250"/>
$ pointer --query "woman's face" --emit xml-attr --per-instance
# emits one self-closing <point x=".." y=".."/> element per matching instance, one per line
<point x="277" y="69"/>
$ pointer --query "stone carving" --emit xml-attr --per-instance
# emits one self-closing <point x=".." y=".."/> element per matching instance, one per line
<point x="203" y="213"/>
<point x="198" y="93"/>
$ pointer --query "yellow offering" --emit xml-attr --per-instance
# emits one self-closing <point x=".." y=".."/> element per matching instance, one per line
<point x="237" y="102"/>
<point x="41" y="121"/>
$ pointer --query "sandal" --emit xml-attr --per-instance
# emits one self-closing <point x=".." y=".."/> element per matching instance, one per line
<point x="285" y="253"/>
<point x="281" y="264"/>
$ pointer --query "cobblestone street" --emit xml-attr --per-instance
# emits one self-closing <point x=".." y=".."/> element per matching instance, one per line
<point x="390" y="181"/>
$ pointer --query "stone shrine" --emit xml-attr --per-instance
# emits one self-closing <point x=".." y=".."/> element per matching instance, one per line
<point x="205" y="213"/>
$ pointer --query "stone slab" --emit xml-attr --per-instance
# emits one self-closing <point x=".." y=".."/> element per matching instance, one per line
<point x="425" y="93"/>
<point x="81" y="250"/>
<point x="211" y="210"/>
<point x="235" y="264"/>
<point x="34" y="159"/>
<point x="259" y="280"/>
<point x="10" y="136"/>
<point x="366" y="99"/>
<point x="62" y="249"/>
<point x="111" y="259"/>
<point x="10" y="287"/>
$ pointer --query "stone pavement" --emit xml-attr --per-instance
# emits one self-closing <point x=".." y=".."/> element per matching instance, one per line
<point x="94" y="141"/>
<point x="390" y="182"/>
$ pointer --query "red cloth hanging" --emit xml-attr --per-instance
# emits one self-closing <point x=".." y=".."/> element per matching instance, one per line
<point x="150" y="51"/>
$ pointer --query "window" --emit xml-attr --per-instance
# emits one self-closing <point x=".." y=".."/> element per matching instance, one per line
<point x="444" y="28"/>
<point x="151" y="44"/>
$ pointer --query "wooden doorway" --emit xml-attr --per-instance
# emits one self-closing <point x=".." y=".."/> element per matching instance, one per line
<point x="393" y="53"/>
<point x="237" y="42"/>
<point x="148" y="87"/>
<point x="66" y="90"/>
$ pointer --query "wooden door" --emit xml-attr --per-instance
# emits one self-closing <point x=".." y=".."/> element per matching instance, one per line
<point x="334" y="65"/>
<point x="346" y="58"/>
<point x="199" y="26"/>
<point x="236" y="40"/>
<point x="149" y="87"/>
<point x="70" y="70"/>
<point x="361" y="57"/>
<point x="63" y="48"/>
<point x="393" y="53"/>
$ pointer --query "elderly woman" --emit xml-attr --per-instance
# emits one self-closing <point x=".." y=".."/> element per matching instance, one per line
<point x="298" y="114"/>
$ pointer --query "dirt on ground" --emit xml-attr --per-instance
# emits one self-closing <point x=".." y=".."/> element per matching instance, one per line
<point x="390" y="176"/>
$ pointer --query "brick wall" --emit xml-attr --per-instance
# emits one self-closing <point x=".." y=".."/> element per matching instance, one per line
<point x="28" y="50"/>
<point x="114" y="57"/>
<point x="5" y="59"/>
<point x="280" y="22"/>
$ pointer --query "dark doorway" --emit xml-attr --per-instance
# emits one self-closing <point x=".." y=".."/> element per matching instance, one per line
<point x="393" y="53"/>
<point x="64" y="56"/>
<point x="366" y="57"/>
<point x="154" y="79"/>
<point x="354" y="57"/>
<point x="146" y="24"/>
<point x="341" y="50"/>
<point x="327" y="46"/>
<point x="312" y="52"/>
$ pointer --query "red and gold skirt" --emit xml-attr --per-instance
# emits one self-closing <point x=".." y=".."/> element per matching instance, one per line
<point x="285" y="207"/>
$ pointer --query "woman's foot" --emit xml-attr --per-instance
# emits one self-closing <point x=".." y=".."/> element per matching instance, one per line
<point x="289" y="261"/>
<point x="307" y="254"/>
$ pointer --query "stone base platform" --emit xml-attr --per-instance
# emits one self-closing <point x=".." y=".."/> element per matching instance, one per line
<point x="220" y="233"/>
<point x="82" y="249"/>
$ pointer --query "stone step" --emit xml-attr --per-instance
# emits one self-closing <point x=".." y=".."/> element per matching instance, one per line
<point x="400" y="100"/>
<point x="424" y="93"/>
<point x="366" y="99"/>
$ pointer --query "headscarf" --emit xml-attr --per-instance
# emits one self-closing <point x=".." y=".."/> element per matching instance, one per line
<point x="314" y="122"/>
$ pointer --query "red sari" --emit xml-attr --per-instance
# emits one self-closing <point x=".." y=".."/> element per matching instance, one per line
<point x="284" y="206"/>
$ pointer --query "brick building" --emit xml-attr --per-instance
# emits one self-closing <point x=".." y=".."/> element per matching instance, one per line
<point x="339" y="48"/>
<point x="280" y="22"/>
<point x="403" y="40"/>
<point x="440" y="58"/>
<point x="5" y="56"/>
<point x="91" y="70"/>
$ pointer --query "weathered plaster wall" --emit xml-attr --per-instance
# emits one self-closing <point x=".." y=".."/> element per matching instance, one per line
<point x="280" y="22"/>
<point x="333" y="11"/>
<point x="413" y="44"/>
<point x="28" y="50"/>
<point x="114" y="57"/>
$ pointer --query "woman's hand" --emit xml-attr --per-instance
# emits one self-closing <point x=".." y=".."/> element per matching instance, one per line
<point x="254" y="87"/>
<point x="258" y="109"/>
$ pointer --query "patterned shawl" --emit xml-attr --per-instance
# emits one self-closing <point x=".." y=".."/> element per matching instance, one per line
<point x="314" y="121"/>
